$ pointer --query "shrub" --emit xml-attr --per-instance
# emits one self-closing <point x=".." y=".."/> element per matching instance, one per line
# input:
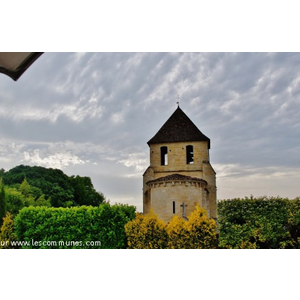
<point x="177" y="233"/>
<point x="199" y="232"/>
<point x="149" y="232"/>
<point x="76" y="227"/>
<point x="2" y="202"/>
<point x="146" y="232"/>
<point x="265" y="223"/>
<point x="7" y="232"/>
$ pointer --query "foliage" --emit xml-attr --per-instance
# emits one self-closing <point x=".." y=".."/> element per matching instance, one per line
<point x="149" y="232"/>
<point x="24" y="188"/>
<point x="84" y="192"/>
<point x="14" y="199"/>
<point x="2" y="202"/>
<point x="264" y="223"/>
<point x="177" y="233"/>
<point x="62" y="190"/>
<point x="294" y="222"/>
<point x="41" y="201"/>
<point x="7" y="232"/>
<point x="53" y="183"/>
<point x="146" y="232"/>
<point x="199" y="232"/>
<point x="22" y="195"/>
<point x="202" y="230"/>
<point x="75" y="227"/>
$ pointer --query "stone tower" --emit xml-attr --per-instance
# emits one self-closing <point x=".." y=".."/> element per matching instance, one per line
<point x="180" y="174"/>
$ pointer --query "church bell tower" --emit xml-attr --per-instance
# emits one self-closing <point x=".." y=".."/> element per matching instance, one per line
<point x="180" y="174"/>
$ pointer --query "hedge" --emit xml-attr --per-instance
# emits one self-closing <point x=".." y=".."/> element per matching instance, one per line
<point x="264" y="223"/>
<point x="75" y="227"/>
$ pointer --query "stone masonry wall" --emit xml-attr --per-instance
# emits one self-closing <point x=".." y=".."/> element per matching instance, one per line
<point x="163" y="195"/>
<point x="161" y="199"/>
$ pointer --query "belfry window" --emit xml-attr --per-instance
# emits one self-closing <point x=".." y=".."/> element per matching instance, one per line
<point x="189" y="154"/>
<point x="164" y="155"/>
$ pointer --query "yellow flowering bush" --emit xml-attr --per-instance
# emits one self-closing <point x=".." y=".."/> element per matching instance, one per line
<point x="149" y="232"/>
<point x="146" y="232"/>
<point x="7" y="231"/>
<point x="199" y="232"/>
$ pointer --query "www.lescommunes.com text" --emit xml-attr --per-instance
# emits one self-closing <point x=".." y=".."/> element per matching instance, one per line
<point x="51" y="243"/>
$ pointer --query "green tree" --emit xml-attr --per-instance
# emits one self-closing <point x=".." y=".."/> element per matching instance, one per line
<point x="14" y="200"/>
<point x="61" y="197"/>
<point x="25" y="188"/>
<point x="41" y="201"/>
<point x="51" y="182"/>
<point x="84" y="192"/>
<point x="2" y="171"/>
<point x="21" y="195"/>
<point x="2" y="202"/>
<point x="64" y="191"/>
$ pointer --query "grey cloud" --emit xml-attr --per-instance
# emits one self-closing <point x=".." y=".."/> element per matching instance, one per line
<point x="104" y="107"/>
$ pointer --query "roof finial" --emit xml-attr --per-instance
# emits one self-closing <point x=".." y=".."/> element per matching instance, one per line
<point x="177" y="100"/>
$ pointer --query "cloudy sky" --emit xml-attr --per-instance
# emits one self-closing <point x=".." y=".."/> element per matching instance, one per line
<point x="91" y="114"/>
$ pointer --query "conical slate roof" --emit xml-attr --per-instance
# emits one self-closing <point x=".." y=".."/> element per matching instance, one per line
<point x="179" y="128"/>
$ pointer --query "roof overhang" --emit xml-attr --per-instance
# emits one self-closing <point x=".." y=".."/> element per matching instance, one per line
<point x="14" y="64"/>
<point x="177" y="178"/>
